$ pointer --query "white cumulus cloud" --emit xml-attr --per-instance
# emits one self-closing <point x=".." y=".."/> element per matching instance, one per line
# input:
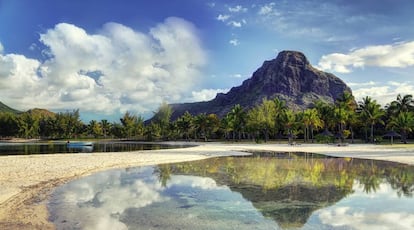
<point x="115" y="69"/>
<point x="383" y="92"/>
<point x="398" y="55"/>
<point x="206" y="94"/>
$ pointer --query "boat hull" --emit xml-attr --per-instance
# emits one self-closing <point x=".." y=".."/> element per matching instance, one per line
<point x="79" y="144"/>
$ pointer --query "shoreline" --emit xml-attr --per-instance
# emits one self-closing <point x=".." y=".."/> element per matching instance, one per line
<point x="26" y="181"/>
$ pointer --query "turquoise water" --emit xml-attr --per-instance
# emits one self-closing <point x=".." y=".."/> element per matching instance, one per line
<point x="283" y="191"/>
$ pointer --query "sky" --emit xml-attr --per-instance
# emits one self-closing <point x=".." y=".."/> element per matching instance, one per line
<point x="107" y="57"/>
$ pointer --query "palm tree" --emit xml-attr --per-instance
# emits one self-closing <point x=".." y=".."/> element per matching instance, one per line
<point x="363" y="116"/>
<point x="237" y="120"/>
<point x="371" y="113"/>
<point x="290" y="123"/>
<point x="262" y="118"/>
<point x="341" y="117"/>
<point x="152" y="131"/>
<point x="404" y="122"/>
<point x="133" y="125"/>
<point x="326" y="113"/>
<point x="200" y="123"/>
<point x="184" y="124"/>
<point x="353" y="122"/>
<point x="254" y="123"/>
<point x="402" y="104"/>
<point x="280" y="109"/>
<point x="345" y="107"/>
<point x="311" y="120"/>
<point x="106" y="126"/>
<point x="162" y="117"/>
<point x="346" y="101"/>
<point x="226" y="127"/>
<point x="213" y="124"/>
<point x="267" y="112"/>
<point x="94" y="128"/>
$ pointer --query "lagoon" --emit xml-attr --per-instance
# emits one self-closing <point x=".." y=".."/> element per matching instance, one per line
<point x="264" y="191"/>
<point x="62" y="147"/>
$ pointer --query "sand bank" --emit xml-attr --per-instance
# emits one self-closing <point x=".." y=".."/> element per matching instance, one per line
<point x="27" y="181"/>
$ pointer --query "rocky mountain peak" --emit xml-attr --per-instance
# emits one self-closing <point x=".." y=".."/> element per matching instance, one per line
<point x="289" y="77"/>
<point x="292" y="58"/>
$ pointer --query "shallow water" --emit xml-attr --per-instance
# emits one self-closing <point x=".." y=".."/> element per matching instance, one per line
<point x="61" y="147"/>
<point x="272" y="191"/>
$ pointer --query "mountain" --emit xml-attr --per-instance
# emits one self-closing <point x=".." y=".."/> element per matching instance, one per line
<point x="289" y="76"/>
<point x="6" y="109"/>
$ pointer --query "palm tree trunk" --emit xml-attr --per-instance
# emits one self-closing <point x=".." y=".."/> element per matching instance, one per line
<point x="311" y="131"/>
<point x="372" y="133"/>
<point x="307" y="134"/>
<point x="352" y="134"/>
<point x="404" y="137"/>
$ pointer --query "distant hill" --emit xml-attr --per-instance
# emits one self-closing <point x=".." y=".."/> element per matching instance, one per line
<point x="6" y="109"/>
<point x="37" y="112"/>
<point x="41" y="112"/>
<point x="289" y="76"/>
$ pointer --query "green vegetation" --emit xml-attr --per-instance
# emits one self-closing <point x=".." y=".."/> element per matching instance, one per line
<point x="271" y="119"/>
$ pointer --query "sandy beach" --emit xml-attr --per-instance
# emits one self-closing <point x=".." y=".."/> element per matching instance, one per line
<point x="27" y="181"/>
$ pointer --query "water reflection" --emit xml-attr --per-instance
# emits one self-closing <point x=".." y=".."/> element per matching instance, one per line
<point x="62" y="147"/>
<point x="271" y="191"/>
<point x="383" y="209"/>
<point x="135" y="199"/>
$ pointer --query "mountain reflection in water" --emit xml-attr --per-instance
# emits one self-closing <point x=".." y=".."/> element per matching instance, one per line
<point x="265" y="191"/>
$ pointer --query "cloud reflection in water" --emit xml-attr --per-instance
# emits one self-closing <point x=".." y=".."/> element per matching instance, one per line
<point x="135" y="199"/>
<point x="380" y="210"/>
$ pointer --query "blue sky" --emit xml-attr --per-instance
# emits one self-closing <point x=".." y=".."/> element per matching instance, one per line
<point x="108" y="57"/>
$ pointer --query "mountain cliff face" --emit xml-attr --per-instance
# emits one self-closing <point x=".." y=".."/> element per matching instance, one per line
<point x="289" y="77"/>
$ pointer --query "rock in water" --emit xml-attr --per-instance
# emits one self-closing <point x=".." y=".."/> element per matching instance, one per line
<point x="289" y="77"/>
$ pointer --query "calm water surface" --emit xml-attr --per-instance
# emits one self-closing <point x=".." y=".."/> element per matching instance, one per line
<point x="266" y="191"/>
<point x="61" y="147"/>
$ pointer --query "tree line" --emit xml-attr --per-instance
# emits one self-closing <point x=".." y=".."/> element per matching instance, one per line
<point x="272" y="119"/>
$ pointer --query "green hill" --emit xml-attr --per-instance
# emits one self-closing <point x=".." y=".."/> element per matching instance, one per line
<point x="6" y="109"/>
<point x="41" y="112"/>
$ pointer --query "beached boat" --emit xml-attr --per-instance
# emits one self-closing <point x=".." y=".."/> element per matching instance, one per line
<point x="79" y="143"/>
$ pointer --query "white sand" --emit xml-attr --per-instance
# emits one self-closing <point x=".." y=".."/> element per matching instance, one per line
<point x="26" y="181"/>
